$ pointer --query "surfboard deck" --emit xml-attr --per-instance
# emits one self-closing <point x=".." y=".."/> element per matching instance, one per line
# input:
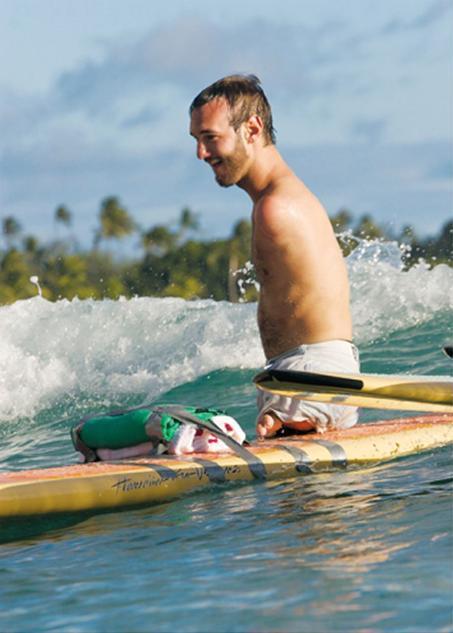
<point x="110" y="485"/>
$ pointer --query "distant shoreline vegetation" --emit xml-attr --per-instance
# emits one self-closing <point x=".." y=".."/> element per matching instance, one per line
<point x="172" y="262"/>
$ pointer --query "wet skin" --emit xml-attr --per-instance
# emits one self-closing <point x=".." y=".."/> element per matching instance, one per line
<point x="304" y="288"/>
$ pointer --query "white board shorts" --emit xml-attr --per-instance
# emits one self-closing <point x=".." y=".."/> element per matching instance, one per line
<point x="336" y="356"/>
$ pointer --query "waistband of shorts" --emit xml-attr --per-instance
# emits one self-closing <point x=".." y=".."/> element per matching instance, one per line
<point x="333" y="344"/>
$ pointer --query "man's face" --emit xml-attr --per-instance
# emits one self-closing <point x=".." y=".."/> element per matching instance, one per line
<point x="218" y="143"/>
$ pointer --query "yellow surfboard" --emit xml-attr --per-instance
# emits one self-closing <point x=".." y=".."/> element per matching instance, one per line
<point x="376" y="391"/>
<point x="111" y="485"/>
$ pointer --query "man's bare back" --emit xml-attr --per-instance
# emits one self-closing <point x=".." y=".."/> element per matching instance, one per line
<point x="304" y="289"/>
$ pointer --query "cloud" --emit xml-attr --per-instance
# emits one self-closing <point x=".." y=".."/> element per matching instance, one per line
<point x="145" y="116"/>
<point x="433" y="13"/>
<point x="115" y="125"/>
<point x="149" y="80"/>
<point x="442" y="170"/>
<point x="192" y="52"/>
<point x="174" y="60"/>
<point x="368" y="130"/>
<point x="136" y="83"/>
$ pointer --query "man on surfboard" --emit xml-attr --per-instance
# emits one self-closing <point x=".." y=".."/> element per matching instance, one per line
<point x="303" y="312"/>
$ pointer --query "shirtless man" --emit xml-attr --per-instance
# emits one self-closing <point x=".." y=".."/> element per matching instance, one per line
<point x="303" y="312"/>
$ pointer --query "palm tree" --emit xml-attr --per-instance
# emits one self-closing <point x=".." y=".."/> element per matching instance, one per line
<point x="63" y="215"/>
<point x="115" y="221"/>
<point x="188" y="221"/>
<point x="158" y="240"/>
<point x="11" y="228"/>
<point x="30" y="244"/>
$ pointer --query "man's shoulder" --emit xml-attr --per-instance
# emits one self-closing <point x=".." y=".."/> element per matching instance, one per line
<point x="283" y="205"/>
<point x="272" y="202"/>
<point x="271" y="213"/>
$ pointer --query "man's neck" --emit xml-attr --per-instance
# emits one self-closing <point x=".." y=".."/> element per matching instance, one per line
<point x="266" y="169"/>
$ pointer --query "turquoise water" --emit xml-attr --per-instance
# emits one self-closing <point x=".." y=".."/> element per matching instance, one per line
<point x="365" y="550"/>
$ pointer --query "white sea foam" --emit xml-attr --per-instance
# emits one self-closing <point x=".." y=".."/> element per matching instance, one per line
<point x="386" y="298"/>
<point x="142" y="345"/>
<point x="148" y="345"/>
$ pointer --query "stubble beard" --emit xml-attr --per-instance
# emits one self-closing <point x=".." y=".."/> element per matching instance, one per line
<point x="233" y="166"/>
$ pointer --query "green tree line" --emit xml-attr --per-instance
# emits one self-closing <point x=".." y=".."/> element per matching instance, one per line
<point x="171" y="260"/>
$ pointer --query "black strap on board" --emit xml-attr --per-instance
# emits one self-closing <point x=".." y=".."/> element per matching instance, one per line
<point x="307" y="378"/>
<point x="256" y="466"/>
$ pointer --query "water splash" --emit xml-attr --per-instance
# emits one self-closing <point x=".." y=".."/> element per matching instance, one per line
<point x="245" y="279"/>
<point x="142" y="345"/>
<point x="50" y="351"/>
<point x="385" y="297"/>
<point x="35" y="280"/>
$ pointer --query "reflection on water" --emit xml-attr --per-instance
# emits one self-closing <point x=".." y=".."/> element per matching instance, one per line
<point x="319" y="521"/>
<point x="295" y="555"/>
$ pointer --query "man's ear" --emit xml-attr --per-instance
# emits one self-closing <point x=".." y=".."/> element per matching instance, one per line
<point x="254" y="128"/>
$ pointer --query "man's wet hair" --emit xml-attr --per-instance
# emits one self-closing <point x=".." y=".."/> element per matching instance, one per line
<point x="245" y="97"/>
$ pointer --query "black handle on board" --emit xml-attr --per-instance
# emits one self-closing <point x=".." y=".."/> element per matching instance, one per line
<point x="308" y="378"/>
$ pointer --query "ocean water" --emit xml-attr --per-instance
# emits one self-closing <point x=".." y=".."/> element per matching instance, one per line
<point x="365" y="550"/>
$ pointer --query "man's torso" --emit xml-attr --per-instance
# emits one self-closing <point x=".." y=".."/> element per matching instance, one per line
<point x="304" y="289"/>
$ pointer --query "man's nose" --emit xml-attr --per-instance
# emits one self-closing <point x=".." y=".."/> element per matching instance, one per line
<point x="202" y="152"/>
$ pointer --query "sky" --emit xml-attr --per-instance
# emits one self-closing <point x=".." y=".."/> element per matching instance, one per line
<point x="94" y="98"/>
